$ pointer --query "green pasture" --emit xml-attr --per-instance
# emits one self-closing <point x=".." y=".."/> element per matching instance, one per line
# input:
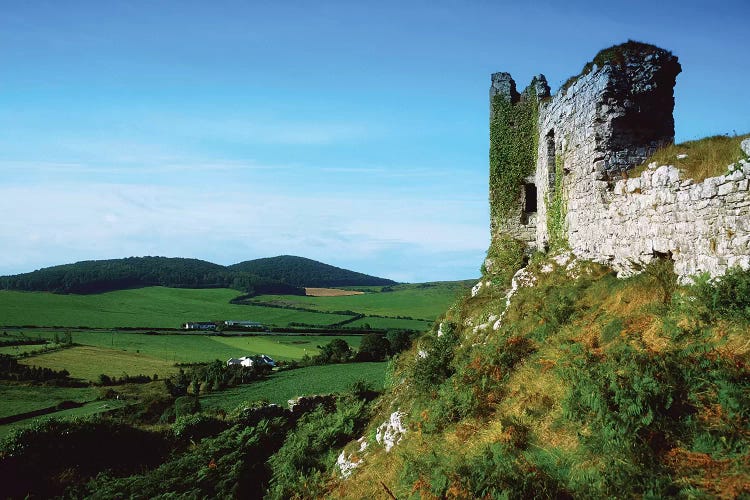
<point x="285" y="385"/>
<point x="88" y="362"/>
<point x="188" y="348"/>
<point x="92" y="408"/>
<point x="152" y="307"/>
<point x="421" y="301"/>
<point x="403" y="324"/>
<point x="24" y="398"/>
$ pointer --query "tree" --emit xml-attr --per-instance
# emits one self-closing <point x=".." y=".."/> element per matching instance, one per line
<point x="336" y="351"/>
<point x="374" y="347"/>
<point x="400" y="340"/>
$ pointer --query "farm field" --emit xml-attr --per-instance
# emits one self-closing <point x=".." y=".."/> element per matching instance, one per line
<point x="152" y="307"/>
<point x="88" y="362"/>
<point x="285" y="385"/>
<point x="395" y="323"/>
<point x="161" y="307"/>
<point x="91" y="408"/>
<point x="420" y="301"/>
<point x="21" y="398"/>
<point x="181" y="348"/>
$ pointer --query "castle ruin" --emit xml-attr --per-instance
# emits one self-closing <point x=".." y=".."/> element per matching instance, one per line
<point x="569" y="157"/>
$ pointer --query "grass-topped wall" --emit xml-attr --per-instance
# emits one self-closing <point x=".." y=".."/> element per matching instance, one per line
<point x="513" y="146"/>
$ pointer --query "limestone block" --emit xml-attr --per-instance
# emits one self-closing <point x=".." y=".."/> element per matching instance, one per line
<point x="727" y="188"/>
<point x="673" y="175"/>
<point x="632" y="185"/>
<point x="710" y="188"/>
<point x="742" y="185"/>
<point x="661" y="176"/>
<point x="745" y="145"/>
<point x="736" y="174"/>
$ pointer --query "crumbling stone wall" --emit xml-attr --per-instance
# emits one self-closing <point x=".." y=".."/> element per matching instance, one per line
<point x="596" y="129"/>
<point x="704" y="227"/>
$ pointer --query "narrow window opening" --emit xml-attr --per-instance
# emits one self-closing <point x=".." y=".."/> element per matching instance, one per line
<point x="551" y="160"/>
<point x="529" y="192"/>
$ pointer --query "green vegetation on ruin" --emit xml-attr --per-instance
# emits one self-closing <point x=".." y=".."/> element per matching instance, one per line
<point x="557" y="209"/>
<point x="615" y="55"/>
<point x="707" y="157"/>
<point x="513" y="149"/>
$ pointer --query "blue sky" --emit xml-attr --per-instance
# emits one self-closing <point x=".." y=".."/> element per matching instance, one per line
<point x="349" y="132"/>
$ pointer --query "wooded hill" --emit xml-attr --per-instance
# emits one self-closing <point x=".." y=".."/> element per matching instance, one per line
<point x="97" y="276"/>
<point x="300" y="271"/>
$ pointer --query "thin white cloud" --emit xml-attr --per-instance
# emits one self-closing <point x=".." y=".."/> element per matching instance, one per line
<point x="265" y="130"/>
<point x="53" y="224"/>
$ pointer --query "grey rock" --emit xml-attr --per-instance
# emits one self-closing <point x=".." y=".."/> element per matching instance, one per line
<point x="745" y="145"/>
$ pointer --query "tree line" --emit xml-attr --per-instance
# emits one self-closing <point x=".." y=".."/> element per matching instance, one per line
<point x="134" y="272"/>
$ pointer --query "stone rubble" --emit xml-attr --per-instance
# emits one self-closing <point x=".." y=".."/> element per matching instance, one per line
<point x="347" y="462"/>
<point x="390" y="432"/>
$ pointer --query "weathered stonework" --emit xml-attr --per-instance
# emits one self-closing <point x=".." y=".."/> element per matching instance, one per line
<point x="590" y="135"/>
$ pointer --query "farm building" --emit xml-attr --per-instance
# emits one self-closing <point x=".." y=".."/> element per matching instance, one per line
<point x="199" y="325"/>
<point x="243" y="324"/>
<point x="251" y="360"/>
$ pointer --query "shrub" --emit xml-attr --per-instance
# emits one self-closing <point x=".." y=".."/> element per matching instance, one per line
<point x="504" y="257"/>
<point x="196" y="427"/>
<point x="42" y="460"/>
<point x="310" y="450"/>
<point x="434" y="363"/>
<point x="373" y="347"/>
<point x="186" y="405"/>
<point x="230" y="465"/>
<point x="726" y="297"/>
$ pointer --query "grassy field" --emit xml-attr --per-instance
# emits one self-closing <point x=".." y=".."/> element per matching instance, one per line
<point x="421" y="301"/>
<point x="86" y="410"/>
<point x="88" y="362"/>
<point x="21" y="399"/>
<point x="154" y="307"/>
<point x="160" y="307"/>
<point x="285" y="385"/>
<point x="405" y="324"/>
<point x="182" y="348"/>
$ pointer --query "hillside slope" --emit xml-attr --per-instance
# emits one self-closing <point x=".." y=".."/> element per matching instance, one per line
<point x="97" y="276"/>
<point x="299" y="271"/>
<point x="584" y="386"/>
<point x="275" y="275"/>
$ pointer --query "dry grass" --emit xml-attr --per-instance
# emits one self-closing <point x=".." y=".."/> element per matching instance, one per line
<point x="330" y="292"/>
<point x="706" y="157"/>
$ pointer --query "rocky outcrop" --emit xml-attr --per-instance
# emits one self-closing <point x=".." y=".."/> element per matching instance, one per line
<point x="390" y="432"/>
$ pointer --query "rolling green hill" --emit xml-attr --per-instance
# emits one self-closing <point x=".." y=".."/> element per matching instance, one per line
<point x="299" y="271"/>
<point x="151" y="307"/>
<point x="411" y="307"/>
<point x="97" y="276"/>
<point x="276" y="275"/>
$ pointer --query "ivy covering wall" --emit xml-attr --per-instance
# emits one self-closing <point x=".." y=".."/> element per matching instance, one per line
<point x="557" y="210"/>
<point x="513" y="147"/>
